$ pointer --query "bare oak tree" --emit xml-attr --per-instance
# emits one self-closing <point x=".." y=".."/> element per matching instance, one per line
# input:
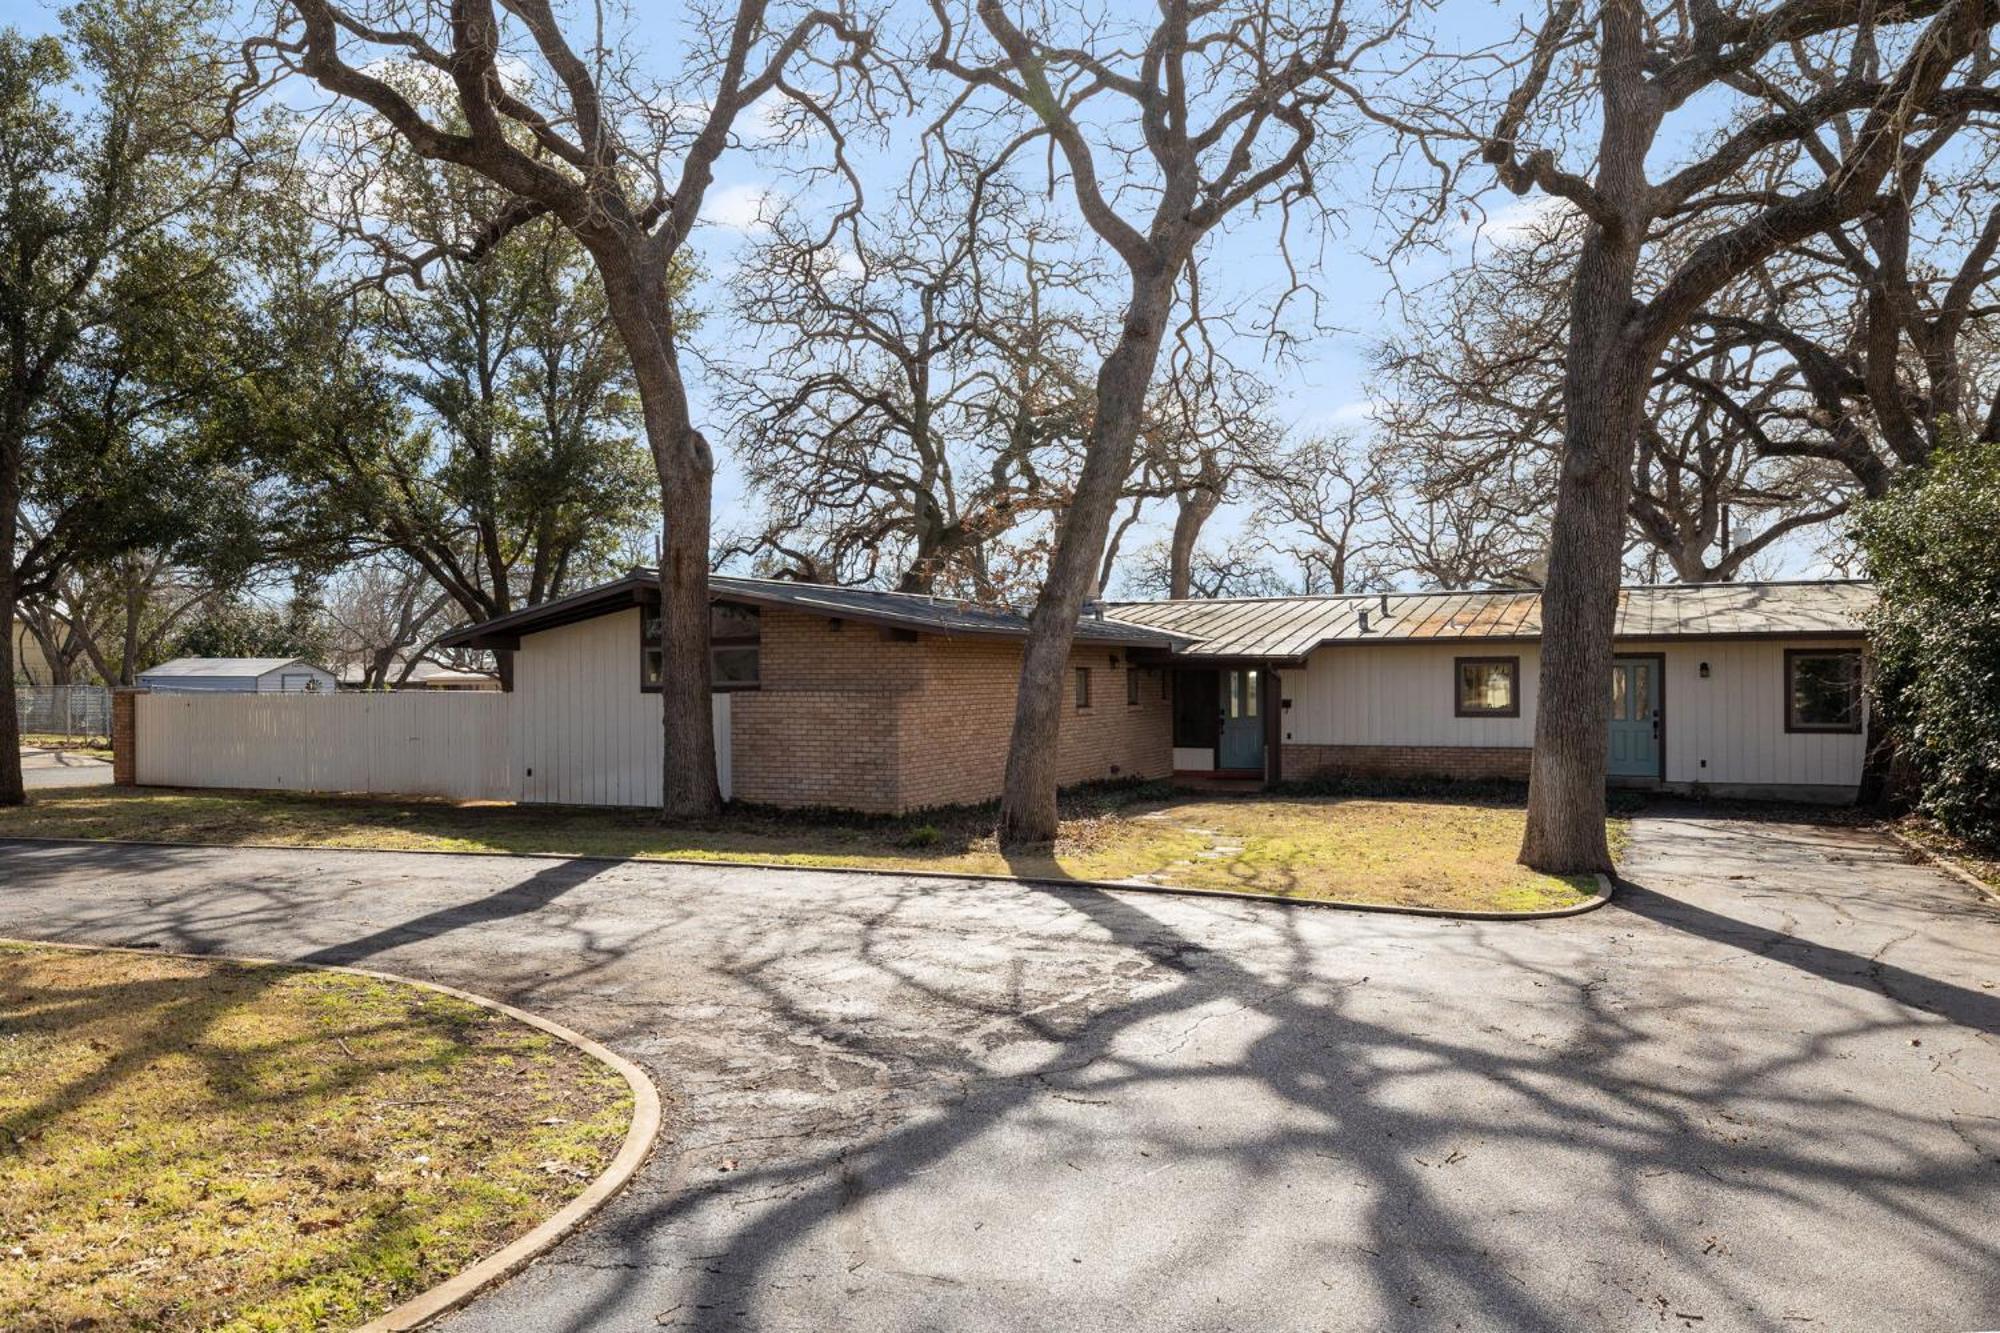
<point x="1810" y="104"/>
<point x="918" y="398"/>
<point x="566" y="128"/>
<point x="1472" y="411"/>
<point x="1159" y="131"/>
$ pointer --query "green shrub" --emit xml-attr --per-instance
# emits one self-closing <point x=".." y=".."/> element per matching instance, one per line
<point x="1933" y="546"/>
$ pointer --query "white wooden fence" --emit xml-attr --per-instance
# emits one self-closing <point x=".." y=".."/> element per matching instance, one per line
<point x="459" y="744"/>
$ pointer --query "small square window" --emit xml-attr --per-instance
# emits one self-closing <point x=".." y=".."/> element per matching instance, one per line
<point x="1487" y="687"/>
<point x="1131" y="687"/>
<point x="1823" y="690"/>
<point x="1082" y="688"/>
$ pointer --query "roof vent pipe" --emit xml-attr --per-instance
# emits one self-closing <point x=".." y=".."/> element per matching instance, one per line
<point x="1385" y="606"/>
<point x="1364" y="622"/>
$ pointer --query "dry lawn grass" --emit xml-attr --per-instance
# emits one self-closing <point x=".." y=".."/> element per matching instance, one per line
<point x="201" y="1145"/>
<point x="1426" y="853"/>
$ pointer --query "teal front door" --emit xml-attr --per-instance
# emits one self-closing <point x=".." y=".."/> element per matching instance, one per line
<point x="1635" y="717"/>
<point x="1242" y="742"/>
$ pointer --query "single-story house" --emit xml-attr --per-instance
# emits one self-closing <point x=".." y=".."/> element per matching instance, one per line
<point x="892" y="702"/>
<point x="422" y="676"/>
<point x="237" y="675"/>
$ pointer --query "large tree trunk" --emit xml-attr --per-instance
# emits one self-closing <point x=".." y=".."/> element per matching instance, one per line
<point x="13" y="790"/>
<point x="1028" y="800"/>
<point x="1603" y="395"/>
<point x="1196" y="508"/>
<point x="636" y="292"/>
<point x="1604" y="392"/>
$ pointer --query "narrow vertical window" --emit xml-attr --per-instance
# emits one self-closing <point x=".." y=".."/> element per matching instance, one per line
<point x="1082" y="688"/>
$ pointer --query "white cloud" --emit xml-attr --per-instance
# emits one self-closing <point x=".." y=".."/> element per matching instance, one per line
<point x="740" y="207"/>
<point x="1360" y="411"/>
<point x="1516" y="220"/>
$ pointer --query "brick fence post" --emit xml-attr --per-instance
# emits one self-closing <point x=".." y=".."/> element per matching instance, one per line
<point x="125" y="735"/>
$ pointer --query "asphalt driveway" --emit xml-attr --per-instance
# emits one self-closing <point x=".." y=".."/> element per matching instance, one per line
<point x="62" y="768"/>
<point x="1759" y="1091"/>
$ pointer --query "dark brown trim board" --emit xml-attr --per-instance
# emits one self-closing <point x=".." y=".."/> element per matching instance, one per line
<point x="1458" y="708"/>
<point x="1797" y="728"/>
<point x="1274" y="724"/>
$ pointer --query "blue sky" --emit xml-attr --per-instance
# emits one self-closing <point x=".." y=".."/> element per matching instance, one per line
<point x="1326" y="386"/>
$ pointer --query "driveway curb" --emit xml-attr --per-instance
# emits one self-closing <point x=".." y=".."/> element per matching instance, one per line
<point x="1605" y="884"/>
<point x="1948" y="864"/>
<point x="509" y="1259"/>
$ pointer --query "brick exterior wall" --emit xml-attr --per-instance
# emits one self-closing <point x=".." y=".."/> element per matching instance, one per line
<point x="856" y="719"/>
<point x="956" y="728"/>
<point x="1407" y="761"/>
<point x="124" y="736"/>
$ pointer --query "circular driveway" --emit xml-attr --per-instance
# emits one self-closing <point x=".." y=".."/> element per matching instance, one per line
<point x="1761" y="1090"/>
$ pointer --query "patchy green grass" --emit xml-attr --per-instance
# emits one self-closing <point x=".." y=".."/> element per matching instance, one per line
<point x="1456" y="853"/>
<point x="204" y="1145"/>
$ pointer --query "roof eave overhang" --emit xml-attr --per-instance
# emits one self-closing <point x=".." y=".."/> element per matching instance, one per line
<point x="504" y="633"/>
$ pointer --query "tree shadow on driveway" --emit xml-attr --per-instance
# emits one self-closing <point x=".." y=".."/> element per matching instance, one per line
<point x="1601" y="1131"/>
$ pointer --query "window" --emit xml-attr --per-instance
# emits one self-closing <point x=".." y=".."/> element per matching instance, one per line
<point x="1082" y="688"/>
<point x="1131" y="687"/>
<point x="733" y="637"/>
<point x="1822" y="690"/>
<point x="1487" y="687"/>
<point x="1239" y="695"/>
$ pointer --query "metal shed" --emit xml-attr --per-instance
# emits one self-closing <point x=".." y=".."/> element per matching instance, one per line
<point x="238" y="675"/>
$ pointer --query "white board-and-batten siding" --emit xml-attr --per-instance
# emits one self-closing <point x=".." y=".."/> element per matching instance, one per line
<point x="402" y="744"/>
<point x="1402" y="694"/>
<point x="584" y="733"/>
<point x="577" y="730"/>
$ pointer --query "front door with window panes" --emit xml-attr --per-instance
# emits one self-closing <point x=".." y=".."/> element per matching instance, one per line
<point x="1635" y="718"/>
<point x="1242" y="743"/>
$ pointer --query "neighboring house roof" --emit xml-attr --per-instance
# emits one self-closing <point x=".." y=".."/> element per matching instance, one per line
<point x="230" y="667"/>
<point x="899" y="610"/>
<point x="1290" y="627"/>
<point x="423" y="673"/>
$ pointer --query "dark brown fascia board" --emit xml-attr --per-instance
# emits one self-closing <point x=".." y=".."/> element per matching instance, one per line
<point x="505" y="632"/>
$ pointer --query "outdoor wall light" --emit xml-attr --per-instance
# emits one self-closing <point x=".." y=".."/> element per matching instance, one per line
<point x="1704" y="671"/>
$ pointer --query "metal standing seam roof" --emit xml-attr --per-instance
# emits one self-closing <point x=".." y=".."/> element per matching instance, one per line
<point x="183" y="667"/>
<point x="1290" y="627"/>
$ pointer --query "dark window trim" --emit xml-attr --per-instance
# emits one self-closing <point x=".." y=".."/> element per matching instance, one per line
<point x="725" y="641"/>
<point x="1513" y="708"/>
<point x="1082" y="688"/>
<point x="1796" y="728"/>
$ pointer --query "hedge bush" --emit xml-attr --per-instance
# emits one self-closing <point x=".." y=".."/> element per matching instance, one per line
<point x="1933" y="546"/>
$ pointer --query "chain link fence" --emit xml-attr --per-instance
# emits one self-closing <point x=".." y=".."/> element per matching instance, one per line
<point x="74" y="711"/>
